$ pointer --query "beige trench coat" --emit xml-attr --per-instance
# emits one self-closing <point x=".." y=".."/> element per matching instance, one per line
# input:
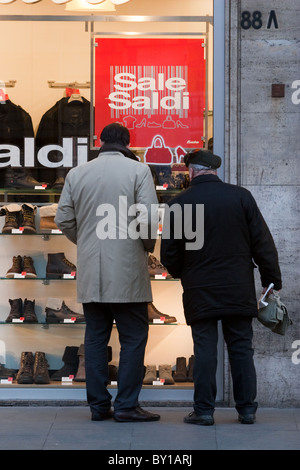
<point x="111" y="266"/>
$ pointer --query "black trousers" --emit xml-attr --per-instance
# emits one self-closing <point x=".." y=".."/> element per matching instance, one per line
<point x="132" y="325"/>
<point x="238" y="333"/>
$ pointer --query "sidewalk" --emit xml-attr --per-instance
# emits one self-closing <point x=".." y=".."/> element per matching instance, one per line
<point x="70" y="428"/>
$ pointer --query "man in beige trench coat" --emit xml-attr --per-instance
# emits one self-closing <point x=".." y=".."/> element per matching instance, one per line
<point x="108" y="207"/>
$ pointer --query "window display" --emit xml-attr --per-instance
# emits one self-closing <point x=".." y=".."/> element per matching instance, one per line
<point x="49" y="123"/>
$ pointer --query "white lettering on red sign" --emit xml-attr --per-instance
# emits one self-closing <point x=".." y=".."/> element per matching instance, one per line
<point x="125" y="82"/>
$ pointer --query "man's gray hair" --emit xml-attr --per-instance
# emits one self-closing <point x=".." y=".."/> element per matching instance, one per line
<point x="198" y="167"/>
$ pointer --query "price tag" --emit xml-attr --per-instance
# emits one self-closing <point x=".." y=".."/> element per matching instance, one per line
<point x="69" y="276"/>
<point x="162" y="188"/>
<point x="70" y="320"/>
<point x="18" y="320"/>
<point x="67" y="380"/>
<point x="56" y="231"/>
<point x="161" y="276"/>
<point x="19" y="275"/>
<point x="42" y="186"/>
<point x="113" y="382"/>
<point x="159" y="320"/>
<point x="17" y="231"/>
<point x="8" y="381"/>
<point x="158" y="382"/>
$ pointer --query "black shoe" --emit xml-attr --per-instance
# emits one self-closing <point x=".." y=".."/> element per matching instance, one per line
<point x="247" y="419"/>
<point x="202" y="420"/>
<point x="135" y="414"/>
<point x="101" y="416"/>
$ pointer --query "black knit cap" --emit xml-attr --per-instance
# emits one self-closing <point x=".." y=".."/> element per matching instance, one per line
<point x="203" y="157"/>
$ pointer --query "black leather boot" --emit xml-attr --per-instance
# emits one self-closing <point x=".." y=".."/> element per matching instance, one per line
<point x="58" y="265"/>
<point x="15" y="310"/>
<point x="180" y="374"/>
<point x="28" y="312"/>
<point x="71" y="362"/>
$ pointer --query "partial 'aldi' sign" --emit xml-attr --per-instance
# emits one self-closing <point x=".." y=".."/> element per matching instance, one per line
<point x="155" y="87"/>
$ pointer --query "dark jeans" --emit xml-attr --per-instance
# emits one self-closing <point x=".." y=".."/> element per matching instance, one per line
<point x="238" y="333"/>
<point x="132" y="324"/>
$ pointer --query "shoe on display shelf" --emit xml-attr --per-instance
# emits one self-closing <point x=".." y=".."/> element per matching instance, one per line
<point x="71" y="361"/>
<point x="63" y="315"/>
<point x="25" y="372"/>
<point x="18" y="312"/>
<point x="156" y="268"/>
<point x="154" y="314"/>
<point x="13" y="217"/>
<point x="59" y="267"/>
<point x="6" y="373"/>
<point x="165" y="373"/>
<point x="28" y="222"/>
<point x="180" y="374"/>
<point x="47" y="215"/>
<point x="21" y="180"/>
<point x="21" y="265"/>
<point x="40" y="369"/>
<point x="150" y="375"/>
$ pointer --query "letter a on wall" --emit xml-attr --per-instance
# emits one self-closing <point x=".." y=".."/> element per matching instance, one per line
<point x="151" y="86"/>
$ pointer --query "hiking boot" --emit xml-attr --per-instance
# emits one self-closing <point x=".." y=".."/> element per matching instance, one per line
<point x="155" y="314"/>
<point x="29" y="313"/>
<point x="202" y="420"/>
<point x="58" y="183"/>
<point x="17" y="267"/>
<point x="165" y="373"/>
<point x="12" y="214"/>
<point x="155" y="267"/>
<point x="150" y="375"/>
<point x="58" y="265"/>
<point x="28" y="212"/>
<point x="15" y="310"/>
<point x="180" y="374"/>
<point x="25" y="373"/>
<point x="71" y="362"/>
<point x="64" y="313"/>
<point x="40" y="369"/>
<point x="28" y="267"/>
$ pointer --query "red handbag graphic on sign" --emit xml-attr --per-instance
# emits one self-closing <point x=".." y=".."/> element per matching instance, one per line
<point x="153" y="87"/>
<point x="158" y="153"/>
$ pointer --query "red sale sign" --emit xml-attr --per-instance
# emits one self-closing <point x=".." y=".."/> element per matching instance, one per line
<point x="154" y="87"/>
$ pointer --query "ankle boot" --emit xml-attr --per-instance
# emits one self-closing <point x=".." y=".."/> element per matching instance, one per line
<point x="28" y="312"/>
<point x="47" y="215"/>
<point x="112" y="373"/>
<point x="40" y="369"/>
<point x="191" y="368"/>
<point x="15" y="310"/>
<point x="80" y="374"/>
<point x="180" y="374"/>
<point x="165" y="372"/>
<point x="6" y="373"/>
<point x="155" y="267"/>
<point x="25" y="373"/>
<point x="12" y="214"/>
<point x="150" y="375"/>
<point x="17" y="267"/>
<point x="154" y="313"/>
<point x="28" y="212"/>
<point x="71" y="362"/>
<point x="58" y="265"/>
<point x="28" y="267"/>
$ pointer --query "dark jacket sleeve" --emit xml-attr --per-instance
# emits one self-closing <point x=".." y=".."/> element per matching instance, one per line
<point x="171" y="251"/>
<point x="263" y="248"/>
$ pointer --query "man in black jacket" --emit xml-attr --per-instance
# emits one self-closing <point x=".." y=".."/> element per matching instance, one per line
<point x="218" y="279"/>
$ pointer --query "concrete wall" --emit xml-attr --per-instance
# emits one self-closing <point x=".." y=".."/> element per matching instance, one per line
<point x="262" y="150"/>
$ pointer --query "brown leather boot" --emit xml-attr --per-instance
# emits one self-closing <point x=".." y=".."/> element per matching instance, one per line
<point x="47" y="214"/>
<point x="25" y="373"/>
<point x="40" y="369"/>
<point x="155" y="314"/>
<point x="17" y="267"/>
<point x="180" y="374"/>
<point x="28" y="267"/>
<point x="28" y="212"/>
<point x="12" y="213"/>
